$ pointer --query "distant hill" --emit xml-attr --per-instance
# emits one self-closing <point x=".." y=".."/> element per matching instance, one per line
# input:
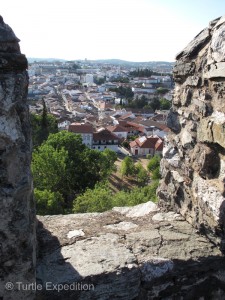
<point x="163" y="65"/>
<point x="33" y="59"/>
<point x="110" y="61"/>
<point x="125" y="62"/>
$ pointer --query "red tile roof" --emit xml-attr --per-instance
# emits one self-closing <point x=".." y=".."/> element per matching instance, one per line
<point x="126" y="116"/>
<point x="159" y="145"/>
<point x="148" y="142"/>
<point x="104" y="134"/>
<point x="117" y="128"/>
<point x="81" y="128"/>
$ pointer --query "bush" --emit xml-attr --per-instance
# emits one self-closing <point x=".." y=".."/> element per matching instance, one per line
<point x="98" y="199"/>
<point x="156" y="173"/>
<point x="142" y="175"/>
<point x="101" y="198"/>
<point x="48" y="203"/>
<point x="127" y="167"/>
<point x="154" y="163"/>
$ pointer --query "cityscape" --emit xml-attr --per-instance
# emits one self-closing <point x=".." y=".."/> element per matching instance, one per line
<point x="107" y="102"/>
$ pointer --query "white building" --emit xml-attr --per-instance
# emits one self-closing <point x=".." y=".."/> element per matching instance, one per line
<point x="85" y="130"/>
<point x="89" y="78"/>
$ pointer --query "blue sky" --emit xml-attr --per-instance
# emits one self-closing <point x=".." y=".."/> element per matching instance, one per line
<point x="135" y="30"/>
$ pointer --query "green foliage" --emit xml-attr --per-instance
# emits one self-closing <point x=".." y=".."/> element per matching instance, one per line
<point x="98" y="199"/>
<point x="99" y="80"/>
<point x="154" y="163"/>
<point x="162" y="91"/>
<point x="165" y="104"/>
<point x="142" y="73"/>
<point x="49" y="168"/>
<point x="123" y="92"/>
<point x="127" y="167"/>
<point x="142" y="175"/>
<point x="120" y="79"/>
<point x="137" y="195"/>
<point x="156" y="173"/>
<point x="155" y="104"/>
<point x="101" y="198"/>
<point x="125" y="144"/>
<point x="138" y="102"/>
<point x="42" y="125"/>
<point x="75" y="66"/>
<point x="108" y="157"/>
<point x="63" y="164"/>
<point x="48" y="203"/>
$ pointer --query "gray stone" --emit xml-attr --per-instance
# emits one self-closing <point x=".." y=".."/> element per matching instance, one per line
<point x="216" y="70"/>
<point x="138" y="210"/>
<point x="195" y="45"/>
<point x="218" y="43"/>
<point x="6" y="33"/>
<point x="169" y="216"/>
<point x="193" y="178"/>
<point x="122" y="226"/>
<point x="118" y="260"/>
<point x="17" y="224"/>
<point x="173" y="121"/>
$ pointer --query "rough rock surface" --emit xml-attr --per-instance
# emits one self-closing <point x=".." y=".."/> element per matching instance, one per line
<point x="193" y="168"/>
<point x="115" y="256"/>
<point x="127" y="253"/>
<point x="17" y="226"/>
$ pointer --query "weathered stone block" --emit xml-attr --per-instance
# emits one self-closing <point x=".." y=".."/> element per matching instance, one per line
<point x="17" y="224"/>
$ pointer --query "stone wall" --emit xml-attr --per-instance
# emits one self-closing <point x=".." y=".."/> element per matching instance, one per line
<point x="17" y="226"/>
<point x="127" y="253"/>
<point x="193" y="167"/>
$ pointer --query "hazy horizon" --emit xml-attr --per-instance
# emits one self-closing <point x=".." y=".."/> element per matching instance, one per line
<point x="131" y="30"/>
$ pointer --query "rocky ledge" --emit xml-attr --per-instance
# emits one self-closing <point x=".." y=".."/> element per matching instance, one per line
<point x="126" y="253"/>
<point x="193" y="165"/>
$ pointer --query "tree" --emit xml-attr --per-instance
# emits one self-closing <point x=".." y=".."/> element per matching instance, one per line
<point x="156" y="173"/>
<point x="48" y="203"/>
<point x="127" y="167"/>
<point x="63" y="164"/>
<point x="138" y="102"/>
<point x="154" y="163"/>
<point x="108" y="162"/>
<point x="101" y="198"/>
<point x="142" y="73"/>
<point x="155" y="104"/>
<point x="125" y="144"/>
<point x="99" y="80"/>
<point x="42" y="125"/>
<point x="162" y="91"/>
<point x="165" y="104"/>
<point x="123" y="92"/>
<point x="49" y="168"/>
<point x="98" y="199"/>
<point x="142" y="174"/>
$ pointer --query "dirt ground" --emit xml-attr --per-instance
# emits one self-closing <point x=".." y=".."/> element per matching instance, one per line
<point x="118" y="183"/>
